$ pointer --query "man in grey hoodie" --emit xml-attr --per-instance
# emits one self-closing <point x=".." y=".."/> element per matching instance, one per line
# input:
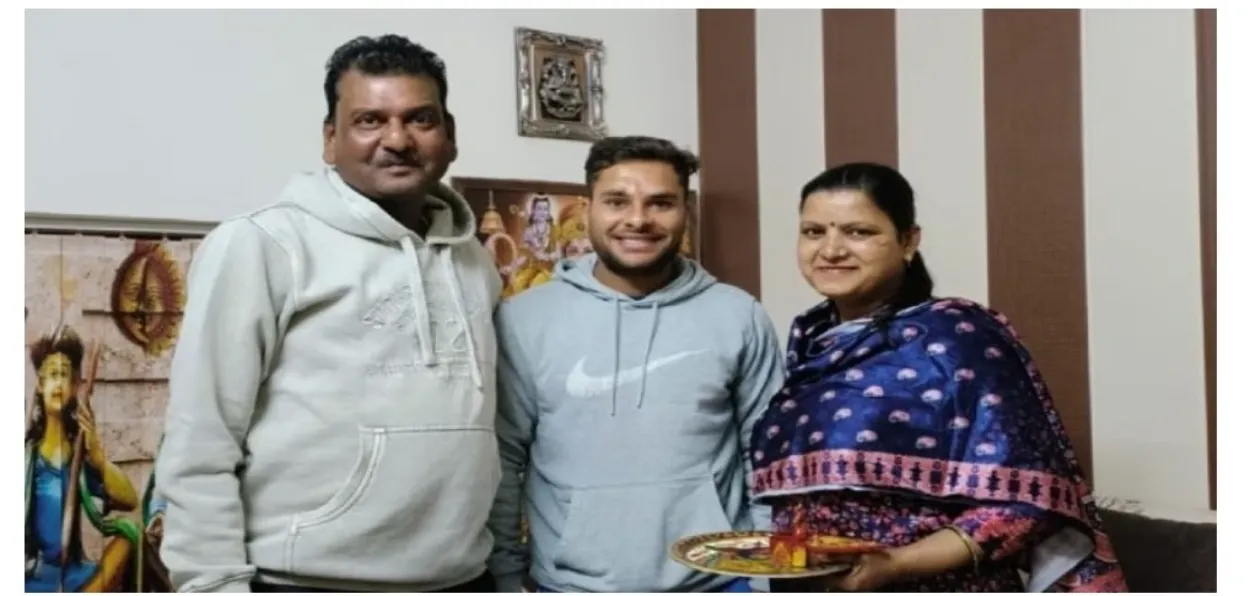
<point x="332" y="395"/>
<point x="628" y="388"/>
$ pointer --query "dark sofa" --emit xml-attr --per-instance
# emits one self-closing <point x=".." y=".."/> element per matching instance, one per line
<point x="1162" y="555"/>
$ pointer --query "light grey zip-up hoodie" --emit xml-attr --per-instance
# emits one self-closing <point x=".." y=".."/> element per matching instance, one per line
<point x="332" y="399"/>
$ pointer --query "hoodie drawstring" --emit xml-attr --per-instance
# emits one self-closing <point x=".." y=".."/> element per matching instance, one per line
<point x="616" y="350"/>
<point x="420" y="313"/>
<point x="457" y="296"/>
<point x="646" y="356"/>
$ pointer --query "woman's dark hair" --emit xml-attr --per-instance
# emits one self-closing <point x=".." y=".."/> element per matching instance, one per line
<point x="893" y="195"/>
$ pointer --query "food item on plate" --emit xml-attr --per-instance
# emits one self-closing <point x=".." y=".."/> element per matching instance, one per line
<point x="788" y="550"/>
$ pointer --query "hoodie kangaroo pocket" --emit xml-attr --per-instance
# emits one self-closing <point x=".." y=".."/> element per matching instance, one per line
<point x="622" y="535"/>
<point x="414" y="494"/>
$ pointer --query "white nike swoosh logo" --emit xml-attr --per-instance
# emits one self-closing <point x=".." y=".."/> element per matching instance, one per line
<point x="581" y="385"/>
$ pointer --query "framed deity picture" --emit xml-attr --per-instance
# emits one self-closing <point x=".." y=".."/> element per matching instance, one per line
<point x="528" y="226"/>
<point x="559" y="86"/>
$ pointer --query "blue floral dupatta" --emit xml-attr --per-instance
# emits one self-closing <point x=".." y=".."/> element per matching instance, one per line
<point x="942" y="402"/>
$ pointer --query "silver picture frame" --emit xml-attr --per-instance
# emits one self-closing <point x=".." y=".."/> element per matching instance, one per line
<point x="559" y="86"/>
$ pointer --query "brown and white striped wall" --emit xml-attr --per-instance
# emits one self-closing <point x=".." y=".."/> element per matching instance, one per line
<point x="1064" y="162"/>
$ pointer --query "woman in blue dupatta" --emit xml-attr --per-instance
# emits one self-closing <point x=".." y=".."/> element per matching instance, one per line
<point x="919" y="423"/>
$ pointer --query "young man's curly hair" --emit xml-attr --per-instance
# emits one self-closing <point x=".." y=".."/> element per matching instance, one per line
<point x="614" y="150"/>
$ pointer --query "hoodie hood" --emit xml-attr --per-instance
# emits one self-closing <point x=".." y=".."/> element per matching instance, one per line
<point x="691" y="281"/>
<point x="325" y="195"/>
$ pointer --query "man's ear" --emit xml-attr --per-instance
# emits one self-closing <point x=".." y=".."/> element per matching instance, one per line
<point x="327" y="142"/>
<point x="454" y="150"/>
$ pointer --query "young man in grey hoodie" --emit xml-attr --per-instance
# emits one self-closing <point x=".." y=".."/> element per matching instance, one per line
<point x="628" y="388"/>
<point x="332" y="395"/>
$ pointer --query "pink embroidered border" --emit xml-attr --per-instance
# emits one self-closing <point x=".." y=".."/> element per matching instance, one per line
<point x="775" y="478"/>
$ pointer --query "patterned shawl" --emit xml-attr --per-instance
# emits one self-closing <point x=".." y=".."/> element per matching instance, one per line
<point x="942" y="402"/>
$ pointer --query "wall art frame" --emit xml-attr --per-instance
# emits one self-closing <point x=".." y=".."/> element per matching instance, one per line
<point x="106" y="293"/>
<point x="559" y="86"/>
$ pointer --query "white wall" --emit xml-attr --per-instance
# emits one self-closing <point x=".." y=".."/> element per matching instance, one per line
<point x="1143" y="265"/>
<point x="220" y="107"/>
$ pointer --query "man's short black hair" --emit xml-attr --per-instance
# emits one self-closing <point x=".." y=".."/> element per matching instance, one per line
<point x="385" y="55"/>
<point x="608" y="152"/>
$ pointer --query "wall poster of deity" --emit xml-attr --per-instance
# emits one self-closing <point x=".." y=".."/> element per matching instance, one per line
<point x="102" y="316"/>
<point x="529" y="225"/>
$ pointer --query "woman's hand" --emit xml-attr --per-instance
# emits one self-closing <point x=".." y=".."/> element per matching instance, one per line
<point x="868" y="572"/>
<point x="939" y="552"/>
